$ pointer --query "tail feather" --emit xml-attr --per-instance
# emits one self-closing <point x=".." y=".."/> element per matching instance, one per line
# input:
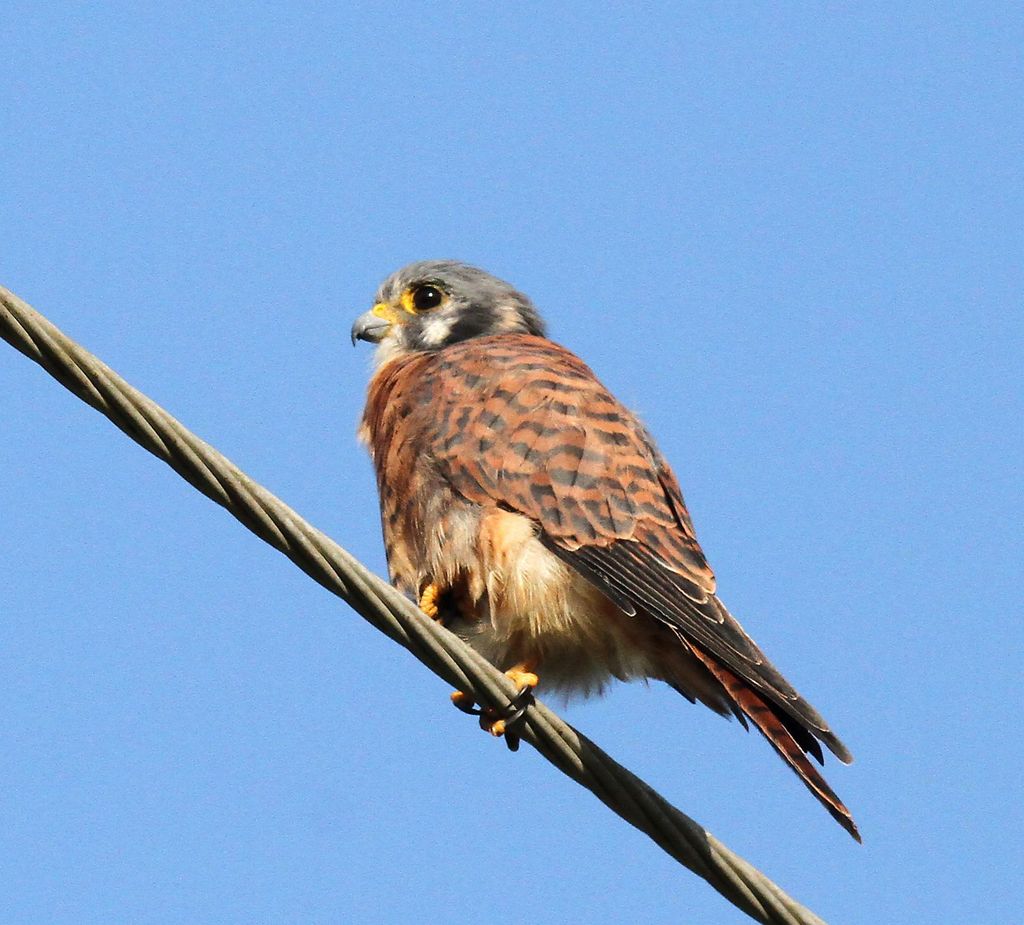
<point x="777" y="729"/>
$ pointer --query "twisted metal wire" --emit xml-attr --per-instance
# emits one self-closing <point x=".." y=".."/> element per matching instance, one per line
<point x="381" y="605"/>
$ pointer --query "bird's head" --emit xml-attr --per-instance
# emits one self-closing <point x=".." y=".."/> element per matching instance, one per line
<point x="430" y="305"/>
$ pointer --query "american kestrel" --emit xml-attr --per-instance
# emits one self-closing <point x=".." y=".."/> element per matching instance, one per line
<point x="524" y="506"/>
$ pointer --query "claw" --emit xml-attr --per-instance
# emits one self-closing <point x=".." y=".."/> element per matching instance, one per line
<point x="497" y="725"/>
<point x="464" y="702"/>
<point x="523" y="678"/>
<point x="506" y="723"/>
<point x="503" y="722"/>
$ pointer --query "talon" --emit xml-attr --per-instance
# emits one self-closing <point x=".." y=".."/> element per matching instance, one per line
<point x="522" y="678"/>
<point x="525" y="680"/>
<point x="521" y="704"/>
<point x="464" y="702"/>
<point x="491" y="721"/>
<point x="503" y="722"/>
<point x="506" y="723"/>
<point x="428" y="600"/>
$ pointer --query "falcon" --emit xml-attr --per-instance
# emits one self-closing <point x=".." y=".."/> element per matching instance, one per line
<point x="533" y="514"/>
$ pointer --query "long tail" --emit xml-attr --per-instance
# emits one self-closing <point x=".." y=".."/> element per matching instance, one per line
<point x="766" y="717"/>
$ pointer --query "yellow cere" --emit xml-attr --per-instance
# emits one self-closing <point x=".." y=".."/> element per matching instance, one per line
<point x="385" y="311"/>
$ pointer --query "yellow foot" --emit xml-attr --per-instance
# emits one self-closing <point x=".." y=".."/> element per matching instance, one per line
<point x="503" y="722"/>
<point x="464" y="702"/>
<point x="522" y="678"/>
<point x="497" y="729"/>
<point x="428" y="601"/>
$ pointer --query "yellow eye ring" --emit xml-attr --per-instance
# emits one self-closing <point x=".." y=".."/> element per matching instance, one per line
<point x="422" y="298"/>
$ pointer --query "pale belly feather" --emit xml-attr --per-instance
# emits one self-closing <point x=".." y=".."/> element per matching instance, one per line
<point x="519" y="603"/>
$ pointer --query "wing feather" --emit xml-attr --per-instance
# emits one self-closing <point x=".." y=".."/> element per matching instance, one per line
<point x="526" y="425"/>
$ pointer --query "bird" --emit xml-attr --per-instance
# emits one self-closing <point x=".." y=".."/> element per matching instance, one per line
<point x="528" y="510"/>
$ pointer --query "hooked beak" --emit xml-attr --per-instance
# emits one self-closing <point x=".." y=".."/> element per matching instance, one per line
<point x="372" y="325"/>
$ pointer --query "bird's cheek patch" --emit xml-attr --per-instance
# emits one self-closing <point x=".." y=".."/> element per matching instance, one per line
<point x="436" y="331"/>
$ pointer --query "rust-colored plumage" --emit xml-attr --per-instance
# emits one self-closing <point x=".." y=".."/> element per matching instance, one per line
<point x="512" y="479"/>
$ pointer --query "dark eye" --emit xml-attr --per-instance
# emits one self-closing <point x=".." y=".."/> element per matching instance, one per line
<point x="425" y="298"/>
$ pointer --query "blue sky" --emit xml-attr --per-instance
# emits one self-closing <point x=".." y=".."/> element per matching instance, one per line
<point x="788" y="236"/>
